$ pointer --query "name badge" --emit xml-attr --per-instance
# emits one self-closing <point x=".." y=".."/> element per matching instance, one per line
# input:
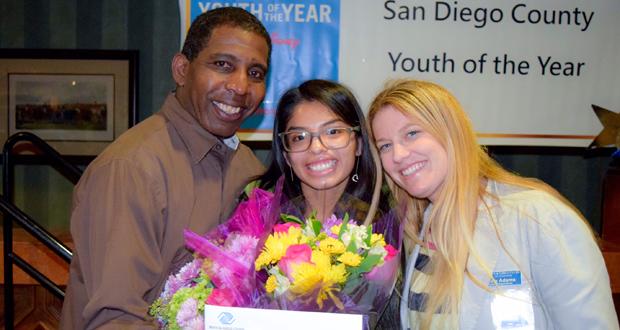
<point x="506" y="278"/>
<point x="511" y="304"/>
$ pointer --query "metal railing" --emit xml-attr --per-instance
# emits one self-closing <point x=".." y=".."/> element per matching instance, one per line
<point x="12" y="213"/>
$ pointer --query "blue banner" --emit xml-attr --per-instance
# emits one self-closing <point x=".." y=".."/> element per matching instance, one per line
<point x="305" y="37"/>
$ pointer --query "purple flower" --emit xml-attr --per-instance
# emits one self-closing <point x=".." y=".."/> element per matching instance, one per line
<point x="187" y="317"/>
<point x="184" y="278"/>
<point x="196" y="323"/>
<point x="329" y="223"/>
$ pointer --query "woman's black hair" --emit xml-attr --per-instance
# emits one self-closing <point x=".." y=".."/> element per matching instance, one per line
<point x="343" y="104"/>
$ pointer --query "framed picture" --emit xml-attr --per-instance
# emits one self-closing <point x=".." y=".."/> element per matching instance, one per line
<point x="76" y="100"/>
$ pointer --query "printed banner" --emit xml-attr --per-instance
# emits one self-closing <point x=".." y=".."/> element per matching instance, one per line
<point x="527" y="72"/>
<point x="305" y="38"/>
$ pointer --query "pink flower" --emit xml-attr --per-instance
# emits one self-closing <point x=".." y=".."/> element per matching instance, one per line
<point x="242" y="246"/>
<point x="283" y="227"/>
<point x="391" y="252"/>
<point x="221" y="297"/>
<point x="295" y="254"/>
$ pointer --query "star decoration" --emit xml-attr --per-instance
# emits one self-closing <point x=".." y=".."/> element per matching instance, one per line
<point x="610" y="135"/>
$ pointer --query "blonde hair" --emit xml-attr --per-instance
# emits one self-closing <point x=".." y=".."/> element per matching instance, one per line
<point x="453" y="216"/>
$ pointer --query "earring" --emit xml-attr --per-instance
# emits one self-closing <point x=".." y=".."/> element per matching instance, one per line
<point x="355" y="177"/>
<point x="292" y="178"/>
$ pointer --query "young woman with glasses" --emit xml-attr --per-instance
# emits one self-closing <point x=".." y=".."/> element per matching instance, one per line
<point x="320" y="145"/>
<point x="322" y="157"/>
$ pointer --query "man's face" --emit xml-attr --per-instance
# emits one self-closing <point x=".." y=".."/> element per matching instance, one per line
<point x="225" y="83"/>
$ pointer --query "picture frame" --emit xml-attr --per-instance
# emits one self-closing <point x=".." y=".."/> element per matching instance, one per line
<point x="78" y="101"/>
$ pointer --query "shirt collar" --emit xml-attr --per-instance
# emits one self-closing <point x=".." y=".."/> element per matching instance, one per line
<point x="197" y="140"/>
<point x="232" y="142"/>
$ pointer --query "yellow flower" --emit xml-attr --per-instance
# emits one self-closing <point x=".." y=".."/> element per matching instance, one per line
<point x="271" y="284"/>
<point x="294" y="232"/>
<point x="336" y="274"/>
<point x="377" y="239"/>
<point x="350" y="259"/>
<point x="262" y="260"/>
<point x="336" y="229"/>
<point x="321" y="260"/>
<point x="320" y="278"/>
<point x="275" y="247"/>
<point x="331" y="245"/>
<point x="303" y="239"/>
<point x="306" y="277"/>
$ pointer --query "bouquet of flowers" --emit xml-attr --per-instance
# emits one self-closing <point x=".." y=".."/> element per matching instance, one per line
<point x="222" y="271"/>
<point x="261" y="258"/>
<point x="331" y="266"/>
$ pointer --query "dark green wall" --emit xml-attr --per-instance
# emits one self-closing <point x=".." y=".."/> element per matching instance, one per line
<point x="152" y="27"/>
<point x="577" y="173"/>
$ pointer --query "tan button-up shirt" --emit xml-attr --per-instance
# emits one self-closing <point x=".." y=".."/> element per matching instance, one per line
<point x="131" y="206"/>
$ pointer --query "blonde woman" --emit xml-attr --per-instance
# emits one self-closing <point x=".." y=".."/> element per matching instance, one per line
<point x="488" y="249"/>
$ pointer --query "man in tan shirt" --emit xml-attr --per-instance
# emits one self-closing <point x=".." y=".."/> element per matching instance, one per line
<point x="181" y="168"/>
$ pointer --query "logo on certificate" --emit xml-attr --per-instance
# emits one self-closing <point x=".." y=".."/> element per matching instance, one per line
<point x="226" y="318"/>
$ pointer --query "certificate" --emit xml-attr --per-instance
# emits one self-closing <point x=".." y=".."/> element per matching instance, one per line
<point x="236" y="318"/>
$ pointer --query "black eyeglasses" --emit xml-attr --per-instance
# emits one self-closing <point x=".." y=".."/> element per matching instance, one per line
<point x="299" y="140"/>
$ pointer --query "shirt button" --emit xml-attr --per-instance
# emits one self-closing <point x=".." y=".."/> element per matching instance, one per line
<point x="218" y="147"/>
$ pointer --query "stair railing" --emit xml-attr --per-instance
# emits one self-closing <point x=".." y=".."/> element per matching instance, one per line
<point x="13" y="213"/>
